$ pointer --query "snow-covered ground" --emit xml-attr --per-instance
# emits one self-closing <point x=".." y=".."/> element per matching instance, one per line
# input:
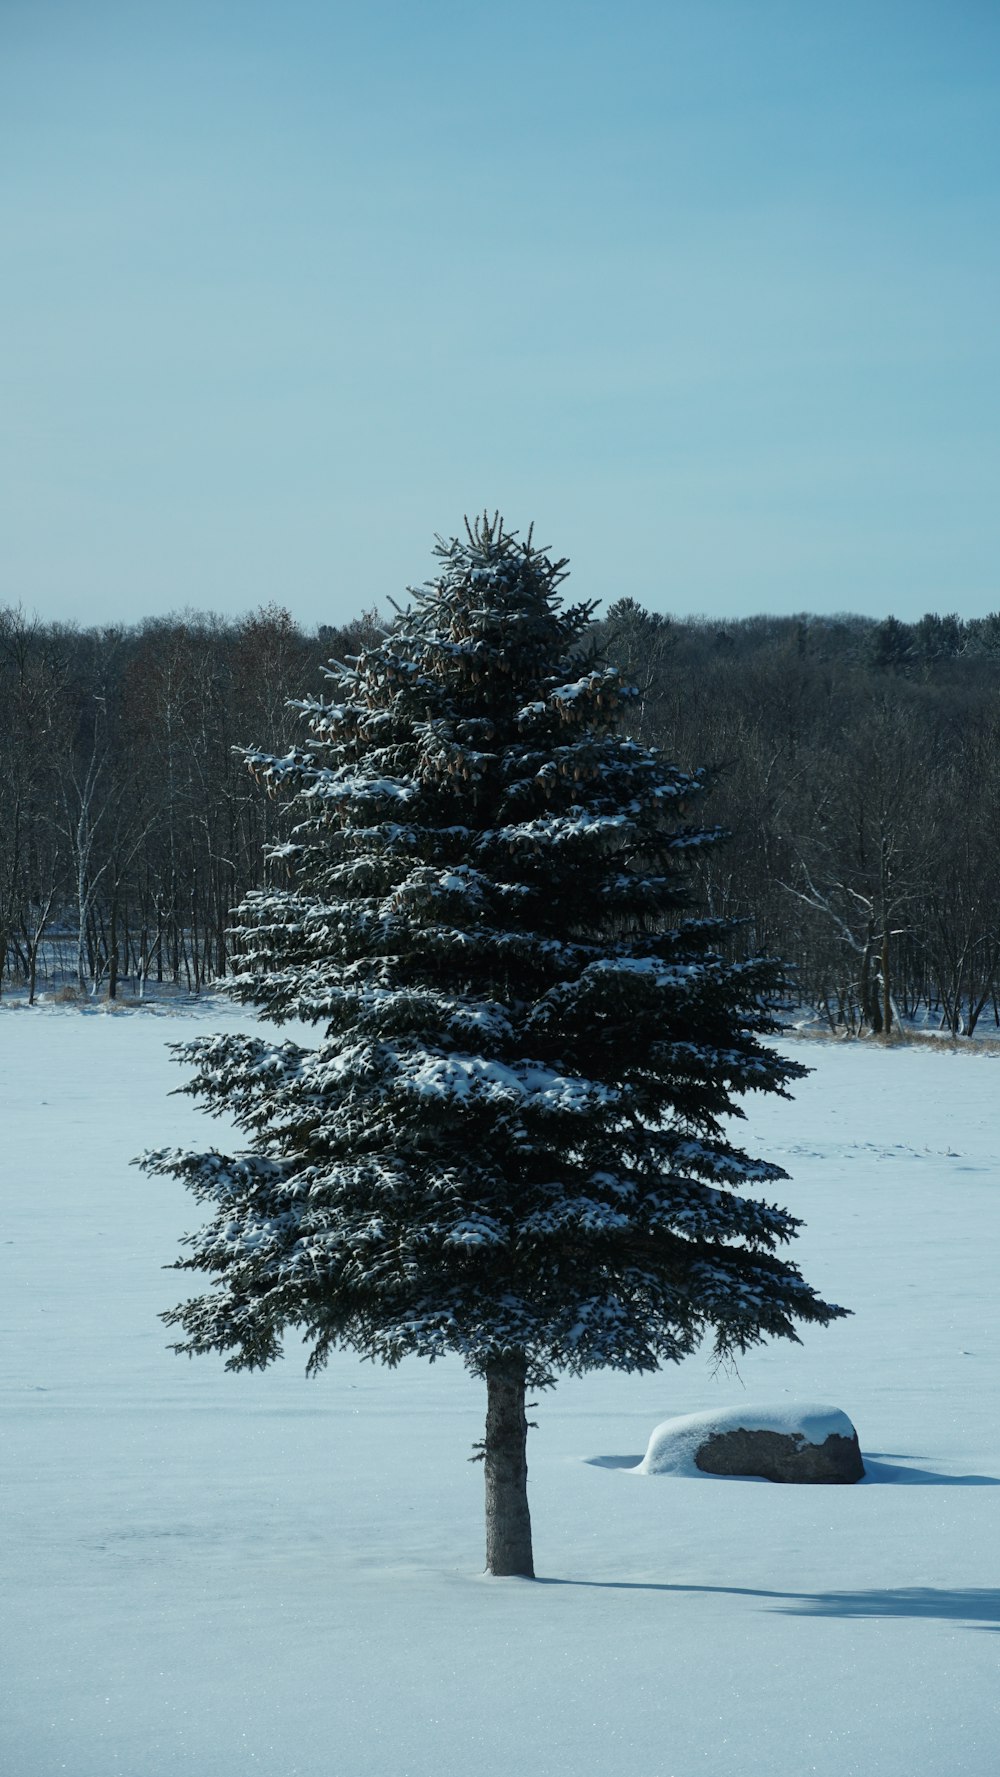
<point x="210" y="1575"/>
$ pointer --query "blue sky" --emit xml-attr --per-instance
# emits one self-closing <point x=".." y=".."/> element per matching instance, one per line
<point x="706" y="290"/>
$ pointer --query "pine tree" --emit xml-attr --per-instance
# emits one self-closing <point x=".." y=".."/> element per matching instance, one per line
<point x="508" y="1140"/>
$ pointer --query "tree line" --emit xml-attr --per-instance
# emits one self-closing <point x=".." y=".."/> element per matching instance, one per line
<point x="128" y="824"/>
<point x="855" y="765"/>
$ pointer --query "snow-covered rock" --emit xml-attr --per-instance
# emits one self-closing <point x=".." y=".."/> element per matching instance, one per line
<point x="795" y="1442"/>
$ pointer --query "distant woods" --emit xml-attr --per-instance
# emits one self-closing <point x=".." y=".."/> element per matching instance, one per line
<point x="857" y="767"/>
<point x="855" y="764"/>
<point x="128" y="824"/>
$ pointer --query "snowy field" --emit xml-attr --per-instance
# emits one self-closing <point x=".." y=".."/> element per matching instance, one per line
<point x="213" y="1575"/>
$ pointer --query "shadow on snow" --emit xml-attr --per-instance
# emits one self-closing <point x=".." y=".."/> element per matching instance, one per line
<point x="978" y="1606"/>
<point x="880" y="1467"/>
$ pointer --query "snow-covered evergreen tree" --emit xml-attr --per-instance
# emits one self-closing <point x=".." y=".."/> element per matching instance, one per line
<point x="507" y="1141"/>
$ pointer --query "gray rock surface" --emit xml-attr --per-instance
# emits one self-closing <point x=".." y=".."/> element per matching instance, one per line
<point x="788" y="1440"/>
<point x="782" y="1456"/>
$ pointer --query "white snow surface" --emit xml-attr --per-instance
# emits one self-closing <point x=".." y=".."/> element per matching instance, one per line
<point x="207" y="1575"/>
<point x="672" y="1446"/>
<point x="461" y="1076"/>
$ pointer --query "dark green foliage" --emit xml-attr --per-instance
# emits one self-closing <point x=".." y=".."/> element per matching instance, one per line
<point x="507" y="1137"/>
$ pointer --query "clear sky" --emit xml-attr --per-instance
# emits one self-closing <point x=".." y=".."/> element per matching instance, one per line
<point x="707" y="288"/>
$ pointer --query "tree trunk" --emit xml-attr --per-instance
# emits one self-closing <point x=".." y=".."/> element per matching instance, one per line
<point x="508" y="1524"/>
<point x="33" y="944"/>
<point x="113" y="949"/>
<point x="871" y="1011"/>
